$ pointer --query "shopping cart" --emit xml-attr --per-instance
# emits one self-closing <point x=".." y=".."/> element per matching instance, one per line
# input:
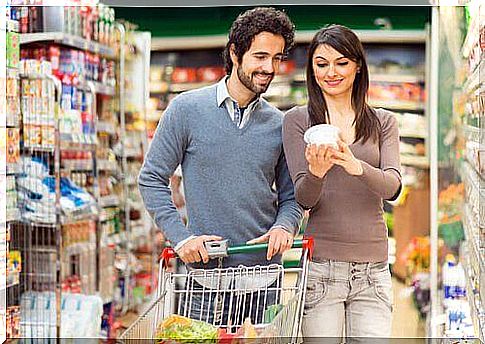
<point x="271" y="296"/>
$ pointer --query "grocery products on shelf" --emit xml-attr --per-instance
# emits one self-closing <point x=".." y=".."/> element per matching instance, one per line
<point x="64" y="73"/>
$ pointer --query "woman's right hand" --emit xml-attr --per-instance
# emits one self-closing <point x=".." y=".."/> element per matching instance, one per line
<point x="318" y="158"/>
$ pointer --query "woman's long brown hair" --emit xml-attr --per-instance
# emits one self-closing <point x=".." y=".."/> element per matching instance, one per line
<point x="346" y="42"/>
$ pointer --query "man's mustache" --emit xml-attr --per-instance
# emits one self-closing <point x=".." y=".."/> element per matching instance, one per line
<point x="263" y="73"/>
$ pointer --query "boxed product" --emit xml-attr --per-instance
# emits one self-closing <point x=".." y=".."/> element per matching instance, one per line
<point x="48" y="136"/>
<point x="183" y="75"/>
<point x="32" y="135"/>
<point x="13" y="145"/>
<point x="210" y="74"/>
<point x="13" y="49"/>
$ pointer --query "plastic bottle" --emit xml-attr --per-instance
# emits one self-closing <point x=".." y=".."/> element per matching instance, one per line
<point x="447" y="275"/>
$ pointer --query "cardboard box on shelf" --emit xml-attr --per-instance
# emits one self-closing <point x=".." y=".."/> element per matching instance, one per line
<point x="411" y="219"/>
<point x="13" y="145"/>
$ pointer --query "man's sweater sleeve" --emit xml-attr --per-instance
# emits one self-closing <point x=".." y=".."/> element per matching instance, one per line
<point x="164" y="155"/>
<point x="289" y="212"/>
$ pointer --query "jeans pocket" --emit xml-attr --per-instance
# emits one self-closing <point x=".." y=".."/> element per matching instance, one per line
<point x="315" y="292"/>
<point x="383" y="291"/>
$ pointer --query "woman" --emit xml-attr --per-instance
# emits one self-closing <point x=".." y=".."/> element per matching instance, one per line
<point x="349" y="282"/>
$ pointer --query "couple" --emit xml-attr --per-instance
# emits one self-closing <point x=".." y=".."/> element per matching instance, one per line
<point x="248" y="172"/>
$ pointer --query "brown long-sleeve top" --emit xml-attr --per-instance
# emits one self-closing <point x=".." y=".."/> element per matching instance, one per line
<point x="346" y="211"/>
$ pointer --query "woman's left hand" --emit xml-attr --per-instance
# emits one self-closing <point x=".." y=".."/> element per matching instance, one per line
<point x="345" y="158"/>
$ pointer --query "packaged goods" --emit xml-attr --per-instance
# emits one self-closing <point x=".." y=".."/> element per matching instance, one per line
<point x="13" y="145"/>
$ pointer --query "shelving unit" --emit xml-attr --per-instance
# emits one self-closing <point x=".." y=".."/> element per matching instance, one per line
<point x="72" y="254"/>
<point x="473" y="168"/>
<point x="464" y="129"/>
<point x="70" y="41"/>
<point x="9" y="112"/>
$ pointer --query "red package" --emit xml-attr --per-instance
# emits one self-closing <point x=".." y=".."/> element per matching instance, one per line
<point x="183" y="75"/>
<point x="210" y="74"/>
<point x="287" y="67"/>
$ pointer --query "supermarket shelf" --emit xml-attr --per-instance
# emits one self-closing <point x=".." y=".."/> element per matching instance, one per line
<point x="397" y="105"/>
<point x="470" y="175"/>
<point x="38" y="224"/>
<point x="38" y="149"/>
<point x="413" y="134"/>
<point x="181" y="87"/>
<point x="11" y="25"/>
<point x="99" y="88"/>
<point x="474" y="134"/>
<point x="219" y="41"/>
<point x="475" y="254"/>
<point x="109" y="201"/>
<point x="415" y="160"/>
<point x="4" y="287"/>
<point x="33" y="76"/>
<point x="79" y="218"/>
<point x="476" y="309"/>
<point x="65" y="145"/>
<point x="472" y="36"/>
<point x="13" y="215"/>
<point x="65" y="220"/>
<point x="396" y="78"/>
<point x="68" y="40"/>
<point x="106" y="127"/>
<point x="474" y="81"/>
<point x="77" y="146"/>
<point x="106" y="165"/>
<point x="132" y="152"/>
<point x="13" y="169"/>
<point x="154" y="116"/>
<point x="77" y="165"/>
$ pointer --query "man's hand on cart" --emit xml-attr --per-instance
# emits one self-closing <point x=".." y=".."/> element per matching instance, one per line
<point x="279" y="240"/>
<point x="193" y="251"/>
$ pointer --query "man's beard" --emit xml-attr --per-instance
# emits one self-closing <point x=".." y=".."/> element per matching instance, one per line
<point x="247" y="81"/>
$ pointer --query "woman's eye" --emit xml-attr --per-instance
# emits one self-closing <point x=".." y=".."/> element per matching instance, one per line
<point x="322" y="65"/>
<point x="343" y="63"/>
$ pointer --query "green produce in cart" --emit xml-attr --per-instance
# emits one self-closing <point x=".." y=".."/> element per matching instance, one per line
<point x="179" y="329"/>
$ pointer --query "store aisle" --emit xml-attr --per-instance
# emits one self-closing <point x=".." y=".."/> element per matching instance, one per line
<point x="405" y="321"/>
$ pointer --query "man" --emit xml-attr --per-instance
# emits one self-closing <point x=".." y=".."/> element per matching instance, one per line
<point x="228" y="141"/>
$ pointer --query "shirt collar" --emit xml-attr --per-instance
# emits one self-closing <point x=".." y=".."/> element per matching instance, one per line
<point x="223" y="94"/>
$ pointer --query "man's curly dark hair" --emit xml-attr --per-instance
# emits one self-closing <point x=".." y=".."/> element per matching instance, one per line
<point x="251" y="23"/>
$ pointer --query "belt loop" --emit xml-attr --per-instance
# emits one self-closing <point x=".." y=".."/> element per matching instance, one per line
<point x="332" y="269"/>
<point x="367" y="272"/>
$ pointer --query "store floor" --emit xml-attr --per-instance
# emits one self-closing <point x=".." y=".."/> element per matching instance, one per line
<point x="405" y="320"/>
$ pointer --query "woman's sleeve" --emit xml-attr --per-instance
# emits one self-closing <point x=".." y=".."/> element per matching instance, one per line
<point x="307" y="186"/>
<point x="385" y="181"/>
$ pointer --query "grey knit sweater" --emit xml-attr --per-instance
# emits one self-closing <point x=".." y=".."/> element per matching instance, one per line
<point x="236" y="181"/>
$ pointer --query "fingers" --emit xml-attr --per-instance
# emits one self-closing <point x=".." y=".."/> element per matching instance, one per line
<point x="273" y="246"/>
<point x="194" y="250"/>
<point x="203" y="253"/>
<point x="279" y="242"/>
<point x="258" y="240"/>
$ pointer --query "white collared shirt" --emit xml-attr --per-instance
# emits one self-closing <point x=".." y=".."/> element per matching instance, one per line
<point x="224" y="98"/>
